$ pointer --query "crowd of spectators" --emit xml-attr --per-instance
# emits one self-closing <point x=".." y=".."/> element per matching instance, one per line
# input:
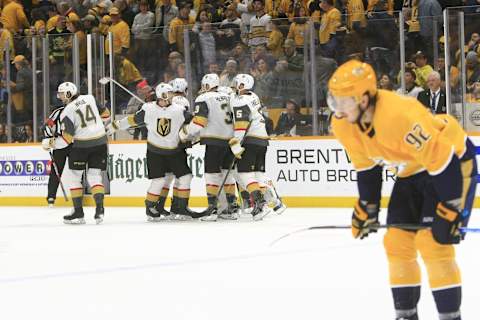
<point x="266" y="38"/>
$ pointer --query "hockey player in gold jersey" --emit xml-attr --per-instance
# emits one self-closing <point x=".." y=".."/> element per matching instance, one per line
<point x="436" y="169"/>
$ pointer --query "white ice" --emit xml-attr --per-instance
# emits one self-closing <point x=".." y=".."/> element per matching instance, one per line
<point x="128" y="268"/>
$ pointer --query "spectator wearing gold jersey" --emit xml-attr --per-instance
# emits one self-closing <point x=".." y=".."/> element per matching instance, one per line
<point x="121" y="33"/>
<point x="331" y="21"/>
<point x="129" y="76"/>
<point x="14" y="18"/>
<point x="355" y="14"/>
<point x="6" y="35"/>
<point x="275" y="39"/>
<point x="422" y="68"/>
<point x="298" y="29"/>
<point x="388" y="5"/>
<point x="178" y="25"/>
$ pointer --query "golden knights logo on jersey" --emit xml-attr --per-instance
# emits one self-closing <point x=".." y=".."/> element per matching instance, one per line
<point x="164" y="126"/>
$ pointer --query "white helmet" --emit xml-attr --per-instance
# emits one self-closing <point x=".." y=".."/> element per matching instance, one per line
<point x="164" y="91"/>
<point x="227" y="90"/>
<point x="179" y="85"/>
<point x="66" y="91"/>
<point x="210" y="81"/>
<point x="244" y="79"/>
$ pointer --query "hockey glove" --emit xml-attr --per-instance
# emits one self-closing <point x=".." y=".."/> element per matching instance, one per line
<point x="446" y="224"/>
<point x="236" y="148"/>
<point x="364" y="219"/>
<point x="112" y="127"/>
<point x="48" y="143"/>
<point x="183" y="134"/>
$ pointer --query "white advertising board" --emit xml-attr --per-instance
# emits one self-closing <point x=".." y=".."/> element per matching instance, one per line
<point x="298" y="167"/>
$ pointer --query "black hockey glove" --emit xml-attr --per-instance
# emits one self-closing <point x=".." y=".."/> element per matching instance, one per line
<point x="364" y="219"/>
<point x="446" y="224"/>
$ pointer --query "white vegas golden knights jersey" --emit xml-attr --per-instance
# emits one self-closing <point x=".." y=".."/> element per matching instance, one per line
<point x="181" y="100"/>
<point x="163" y="125"/>
<point x="212" y="118"/>
<point x="246" y="111"/>
<point x="82" y="123"/>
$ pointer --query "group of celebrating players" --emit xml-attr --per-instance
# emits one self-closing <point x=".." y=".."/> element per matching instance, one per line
<point x="228" y="121"/>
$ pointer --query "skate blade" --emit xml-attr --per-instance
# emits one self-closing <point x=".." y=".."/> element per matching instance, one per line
<point x="74" y="221"/>
<point x="247" y="211"/>
<point x="157" y="219"/>
<point x="209" y="218"/>
<point x="228" y="216"/>
<point x="50" y="205"/>
<point x="99" y="220"/>
<point x="262" y="214"/>
<point x="280" y="209"/>
<point x="180" y="217"/>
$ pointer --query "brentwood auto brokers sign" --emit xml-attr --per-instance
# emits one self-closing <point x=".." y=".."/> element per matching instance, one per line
<point x="308" y="168"/>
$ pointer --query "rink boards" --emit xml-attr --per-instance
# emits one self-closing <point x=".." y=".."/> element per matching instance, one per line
<point x="307" y="172"/>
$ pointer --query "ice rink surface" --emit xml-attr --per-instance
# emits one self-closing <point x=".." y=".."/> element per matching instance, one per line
<point x="128" y="268"/>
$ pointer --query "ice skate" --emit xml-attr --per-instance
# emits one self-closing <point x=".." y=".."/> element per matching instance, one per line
<point x="260" y="207"/>
<point x="99" y="213"/>
<point x="279" y="208"/>
<point x="230" y="213"/>
<point x="76" y="217"/>
<point x="50" y="202"/>
<point x="211" y="214"/>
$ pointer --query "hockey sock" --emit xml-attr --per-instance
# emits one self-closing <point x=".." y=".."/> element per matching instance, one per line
<point x="77" y="197"/>
<point x="406" y="300"/>
<point x="448" y="302"/>
<point x="151" y="197"/>
<point x="161" y="202"/>
<point x="98" y="192"/>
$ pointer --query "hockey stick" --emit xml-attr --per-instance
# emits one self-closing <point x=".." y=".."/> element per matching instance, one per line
<point x="106" y="80"/>
<point x="57" y="173"/>
<point x="235" y="159"/>
<point x="380" y="226"/>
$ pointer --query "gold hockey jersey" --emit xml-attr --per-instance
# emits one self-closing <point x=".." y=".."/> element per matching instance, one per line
<point x="403" y="135"/>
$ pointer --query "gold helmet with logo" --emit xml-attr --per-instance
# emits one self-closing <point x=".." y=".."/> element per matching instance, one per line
<point x="353" y="79"/>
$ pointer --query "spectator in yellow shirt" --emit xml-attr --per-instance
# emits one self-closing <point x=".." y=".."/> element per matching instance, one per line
<point x="5" y="36"/>
<point x="275" y="40"/>
<point x="121" y="33"/>
<point x="299" y="27"/>
<point x="355" y="14"/>
<point x="14" y="18"/>
<point x="388" y="6"/>
<point x="128" y="75"/>
<point x="176" y="27"/>
<point x="422" y="69"/>
<point x="53" y="16"/>
<point x="331" y="20"/>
